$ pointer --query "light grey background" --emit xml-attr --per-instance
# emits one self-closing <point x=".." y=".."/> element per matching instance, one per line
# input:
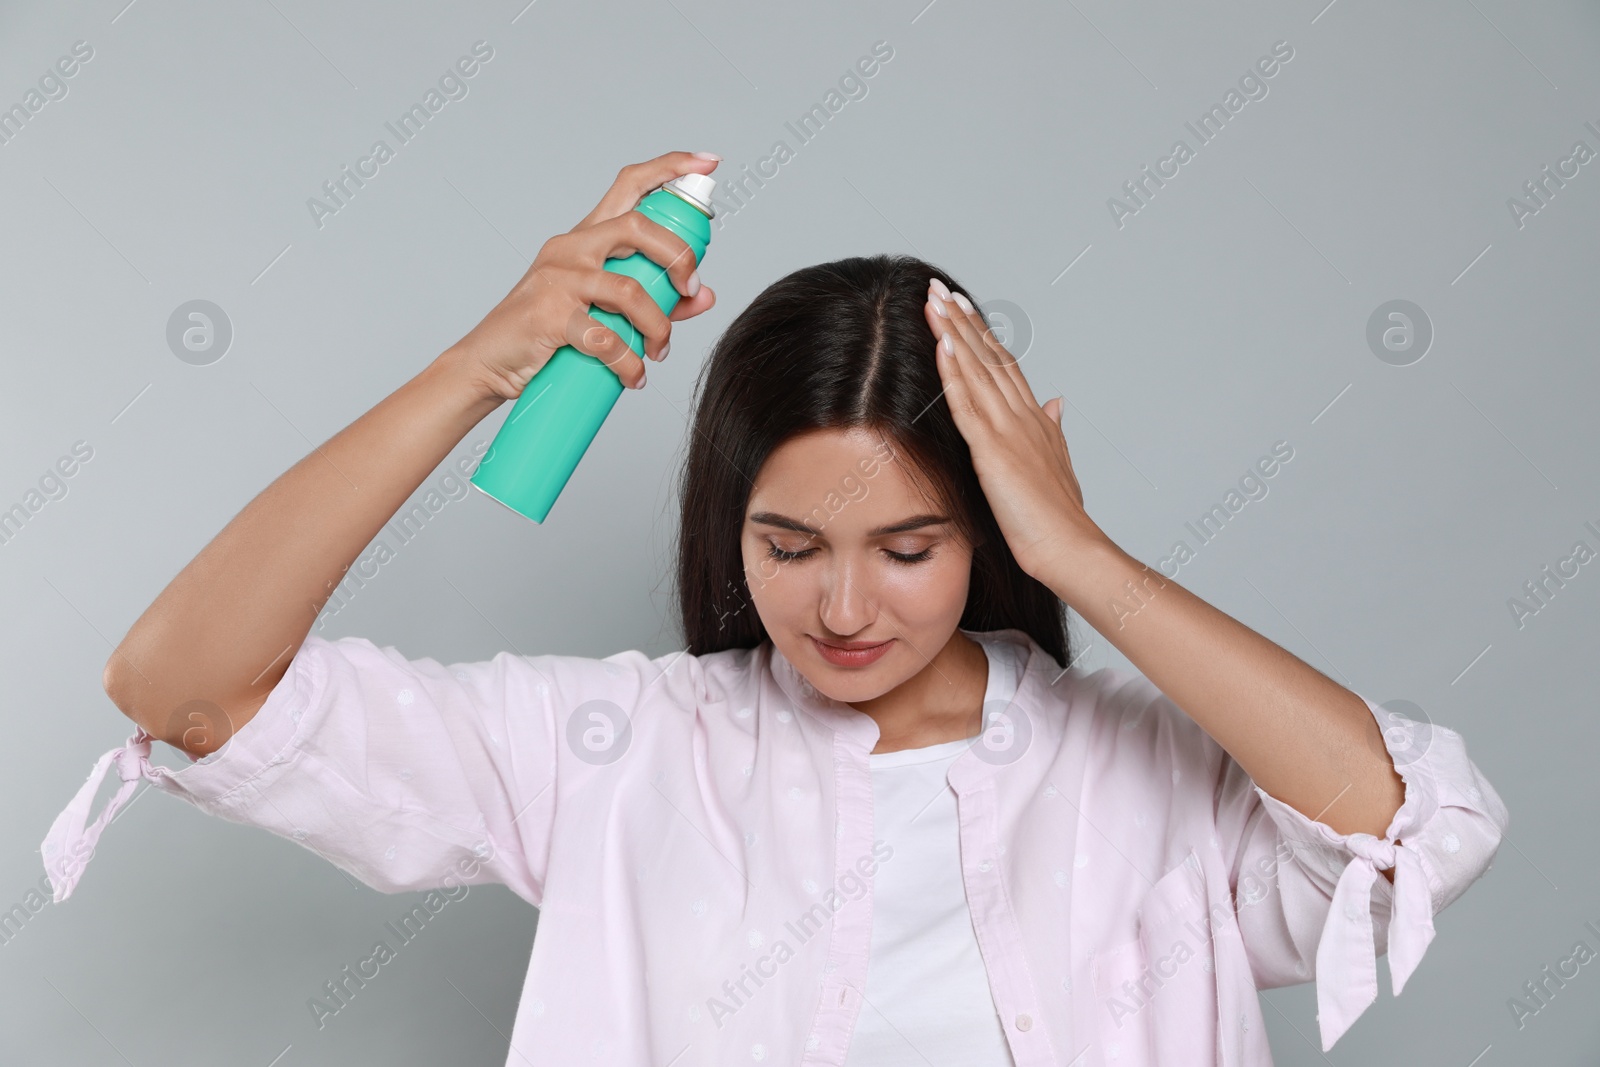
<point x="1228" y="314"/>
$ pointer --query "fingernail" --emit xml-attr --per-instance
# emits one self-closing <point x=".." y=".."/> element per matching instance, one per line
<point x="642" y="376"/>
<point x="694" y="282"/>
<point x="708" y="155"/>
<point x="661" y="355"/>
<point x="966" y="305"/>
<point x="938" y="307"/>
<point x="939" y="287"/>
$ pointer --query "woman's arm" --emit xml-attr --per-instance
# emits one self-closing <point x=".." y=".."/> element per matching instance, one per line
<point x="222" y="632"/>
<point x="203" y="658"/>
<point x="1300" y="736"/>
<point x="1301" y="747"/>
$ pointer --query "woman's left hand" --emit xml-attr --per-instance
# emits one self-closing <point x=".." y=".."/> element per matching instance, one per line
<point x="1018" y="448"/>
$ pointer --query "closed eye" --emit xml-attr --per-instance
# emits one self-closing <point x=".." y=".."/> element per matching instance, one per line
<point x="899" y="557"/>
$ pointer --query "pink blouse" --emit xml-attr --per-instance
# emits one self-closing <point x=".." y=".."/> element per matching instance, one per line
<point x="697" y="834"/>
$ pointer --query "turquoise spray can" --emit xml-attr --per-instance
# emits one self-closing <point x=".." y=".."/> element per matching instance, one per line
<point x="562" y="407"/>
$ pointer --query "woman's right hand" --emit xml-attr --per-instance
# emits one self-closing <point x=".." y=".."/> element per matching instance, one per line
<point x="549" y="306"/>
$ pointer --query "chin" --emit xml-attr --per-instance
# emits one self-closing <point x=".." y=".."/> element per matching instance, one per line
<point x="850" y="692"/>
<point x="852" y="685"/>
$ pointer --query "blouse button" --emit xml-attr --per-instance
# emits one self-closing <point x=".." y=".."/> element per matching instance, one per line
<point x="985" y="865"/>
<point x="1024" y="1022"/>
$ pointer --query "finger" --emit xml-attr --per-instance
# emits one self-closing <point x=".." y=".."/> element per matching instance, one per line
<point x="632" y="232"/>
<point x="624" y="296"/>
<point x="1002" y="356"/>
<point x="980" y="382"/>
<point x="973" y="331"/>
<point x="957" y="393"/>
<point x="691" y="306"/>
<point x="637" y="179"/>
<point x="593" y="339"/>
<point x="997" y="357"/>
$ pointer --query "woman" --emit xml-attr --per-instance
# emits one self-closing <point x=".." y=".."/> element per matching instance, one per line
<point x="870" y="814"/>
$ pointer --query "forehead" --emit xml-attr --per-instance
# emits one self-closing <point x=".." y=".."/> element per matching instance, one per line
<point x="859" y="464"/>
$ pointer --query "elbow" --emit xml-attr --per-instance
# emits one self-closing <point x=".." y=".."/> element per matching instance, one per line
<point x="117" y="681"/>
<point x="197" y="727"/>
<point x="112" y="681"/>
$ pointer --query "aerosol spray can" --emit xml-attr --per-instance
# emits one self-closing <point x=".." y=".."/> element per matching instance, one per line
<point x="561" y="408"/>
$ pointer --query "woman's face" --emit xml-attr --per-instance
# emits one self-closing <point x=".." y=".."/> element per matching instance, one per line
<point x="879" y="563"/>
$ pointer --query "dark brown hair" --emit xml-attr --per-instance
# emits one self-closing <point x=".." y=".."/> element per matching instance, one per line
<point x="837" y="345"/>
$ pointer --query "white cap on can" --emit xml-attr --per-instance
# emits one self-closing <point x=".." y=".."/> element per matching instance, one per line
<point x="695" y="188"/>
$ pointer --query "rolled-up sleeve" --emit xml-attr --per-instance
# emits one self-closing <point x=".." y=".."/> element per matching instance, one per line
<point x="1311" y="903"/>
<point x="408" y="774"/>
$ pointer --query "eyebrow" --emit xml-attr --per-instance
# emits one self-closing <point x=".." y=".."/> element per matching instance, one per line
<point x="916" y="522"/>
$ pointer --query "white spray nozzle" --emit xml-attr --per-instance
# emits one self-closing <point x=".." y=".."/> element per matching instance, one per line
<point x="697" y="189"/>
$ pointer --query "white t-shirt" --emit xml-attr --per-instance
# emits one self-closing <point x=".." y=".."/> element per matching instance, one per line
<point x="927" y="999"/>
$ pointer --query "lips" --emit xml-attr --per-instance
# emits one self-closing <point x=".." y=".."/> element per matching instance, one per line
<point x="852" y="653"/>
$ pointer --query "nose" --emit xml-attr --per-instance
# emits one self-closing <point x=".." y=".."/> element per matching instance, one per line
<point x="848" y="604"/>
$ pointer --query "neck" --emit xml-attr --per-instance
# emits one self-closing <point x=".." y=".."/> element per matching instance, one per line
<point x="942" y="702"/>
